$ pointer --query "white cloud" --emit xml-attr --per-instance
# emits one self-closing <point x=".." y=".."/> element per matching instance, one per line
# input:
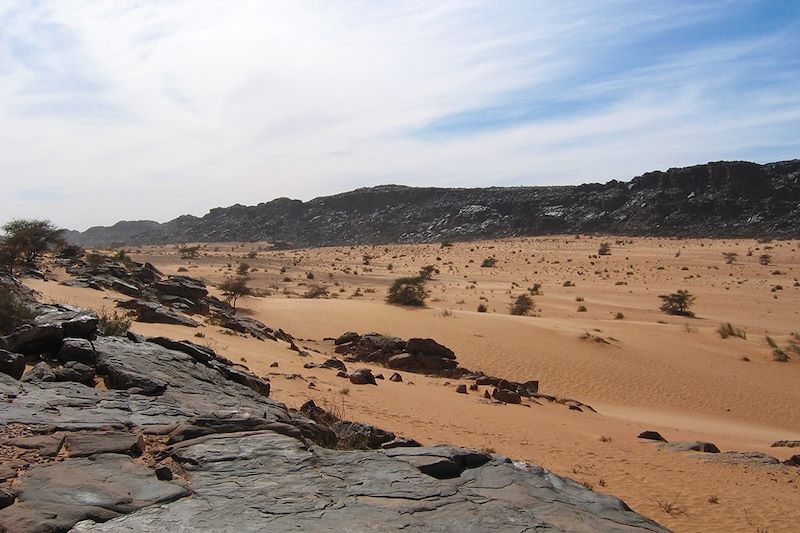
<point x="150" y="109"/>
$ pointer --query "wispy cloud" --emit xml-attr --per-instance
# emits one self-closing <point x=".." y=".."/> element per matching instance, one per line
<point x="152" y="109"/>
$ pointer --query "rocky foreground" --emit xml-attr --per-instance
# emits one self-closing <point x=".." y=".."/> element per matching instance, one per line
<point x="720" y="199"/>
<point x="133" y="434"/>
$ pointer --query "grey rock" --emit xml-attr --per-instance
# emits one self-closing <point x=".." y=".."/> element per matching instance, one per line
<point x="368" y="491"/>
<point x="45" y="445"/>
<point x="40" y="372"/>
<point x="182" y="286"/>
<point x="693" y="446"/>
<point x="80" y="350"/>
<point x="56" y="496"/>
<point x="156" y="313"/>
<point x="77" y="372"/>
<point x="744" y="458"/>
<point x="86" y="443"/>
<point x="201" y="354"/>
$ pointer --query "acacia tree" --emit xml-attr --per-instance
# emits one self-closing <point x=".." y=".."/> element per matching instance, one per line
<point x="408" y="291"/>
<point x="677" y="303"/>
<point x="235" y="287"/>
<point x="26" y="240"/>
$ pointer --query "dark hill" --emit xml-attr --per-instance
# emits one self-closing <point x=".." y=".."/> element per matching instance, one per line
<point x="720" y="199"/>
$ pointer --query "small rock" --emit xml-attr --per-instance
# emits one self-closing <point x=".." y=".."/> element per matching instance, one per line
<point x="487" y="395"/>
<point x="473" y="386"/>
<point x="163" y="473"/>
<point x="461" y="389"/>
<point x="274" y="365"/>
<point x="80" y="350"/>
<point x="12" y="364"/>
<point x="350" y="336"/>
<point x="379" y="376"/>
<point x="342" y="375"/>
<point x="506" y="396"/>
<point x="396" y="378"/>
<point x="651" y="435"/>
<point x="362" y="376"/>
<point x="6" y="498"/>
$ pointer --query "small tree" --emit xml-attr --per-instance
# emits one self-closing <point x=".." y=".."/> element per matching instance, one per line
<point x="677" y="303"/>
<point x="188" y="252"/>
<point x="427" y="272"/>
<point x="730" y="257"/>
<point x="27" y="239"/>
<point x="243" y="269"/>
<point x="521" y="305"/>
<point x="765" y="259"/>
<point x="408" y="291"/>
<point x="604" y="249"/>
<point x="234" y="288"/>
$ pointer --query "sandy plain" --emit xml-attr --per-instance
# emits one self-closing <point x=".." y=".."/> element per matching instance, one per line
<point x="672" y="374"/>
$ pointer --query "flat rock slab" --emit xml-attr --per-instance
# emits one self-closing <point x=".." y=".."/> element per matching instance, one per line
<point x="45" y="445"/>
<point x="691" y="446"/>
<point x="263" y="481"/>
<point x="56" y="496"/>
<point x="741" y="458"/>
<point x="85" y="443"/>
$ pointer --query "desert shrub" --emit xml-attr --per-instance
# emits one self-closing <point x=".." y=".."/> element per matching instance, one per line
<point x="579" y="298"/>
<point x="94" y="259"/>
<point x="13" y="312"/>
<point x="677" y="303"/>
<point x="316" y="291"/>
<point x="427" y="272"/>
<point x="619" y="316"/>
<point x="726" y="329"/>
<point x="252" y="254"/>
<point x="188" y="252"/>
<point x="112" y="325"/>
<point x="604" y="249"/>
<point x="482" y="308"/>
<point x="310" y="275"/>
<point x="568" y="283"/>
<point x="521" y="305"/>
<point x="243" y="269"/>
<point x="582" y="309"/>
<point x="447" y="244"/>
<point x="770" y="342"/>
<point x="730" y="257"/>
<point x="489" y="262"/>
<point x="409" y="291"/>
<point x="535" y="289"/>
<point x="70" y="251"/>
<point x="183" y="269"/>
<point x="779" y="355"/>
<point x="765" y="259"/>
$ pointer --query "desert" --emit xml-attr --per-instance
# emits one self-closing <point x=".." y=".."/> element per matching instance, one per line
<point x="638" y="368"/>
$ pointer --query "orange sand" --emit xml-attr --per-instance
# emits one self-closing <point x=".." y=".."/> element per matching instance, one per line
<point x="666" y="373"/>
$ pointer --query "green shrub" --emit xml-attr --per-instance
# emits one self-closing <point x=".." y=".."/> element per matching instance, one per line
<point x="677" y="303"/>
<point x="521" y="305"/>
<point x="409" y="291"/>
<point x="113" y="325"/>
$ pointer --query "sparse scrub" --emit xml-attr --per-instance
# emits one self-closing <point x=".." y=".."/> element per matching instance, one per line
<point x="317" y="291"/>
<point x="112" y="325"/>
<point x="234" y="288"/>
<point x="582" y="309"/>
<point x="521" y="305"/>
<point x="13" y="313"/>
<point x="482" y="308"/>
<point x="730" y="257"/>
<point x="619" y="316"/>
<point x="726" y="329"/>
<point x="489" y="262"/>
<point x="604" y="249"/>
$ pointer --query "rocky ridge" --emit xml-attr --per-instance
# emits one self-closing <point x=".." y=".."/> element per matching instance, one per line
<point x="719" y="199"/>
<point x="168" y="435"/>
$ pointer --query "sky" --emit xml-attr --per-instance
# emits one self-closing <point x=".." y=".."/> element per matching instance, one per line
<point x="150" y="109"/>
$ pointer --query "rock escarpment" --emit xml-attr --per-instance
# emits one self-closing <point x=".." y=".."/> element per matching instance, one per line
<point x="720" y="199"/>
<point x="178" y="438"/>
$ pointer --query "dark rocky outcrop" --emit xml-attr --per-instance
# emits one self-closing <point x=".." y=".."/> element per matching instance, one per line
<point x="691" y="446"/>
<point x="719" y="199"/>
<point x="651" y="435"/>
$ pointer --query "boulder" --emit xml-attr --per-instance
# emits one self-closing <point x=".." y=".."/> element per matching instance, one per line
<point x="77" y="372"/>
<point x="182" y="286"/>
<point x="461" y="389"/>
<point x="201" y="354"/>
<point x="335" y="364"/>
<point x="123" y="287"/>
<point x="396" y="378"/>
<point x="362" y="376"/>
<point x="41" y="372"/>
<point x="401" y="360"/>
<point x="79" y="350"/>
<point x="429" y="347"/>
<point x="506" y="396"/>
<point x="350" y="336"/>
<point x="12" y="364"/>
<point x="48" y="329"/>
<point x="156" y="313"/>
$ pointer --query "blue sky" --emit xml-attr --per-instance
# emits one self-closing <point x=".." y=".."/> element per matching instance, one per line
<point x="151" y="109"/>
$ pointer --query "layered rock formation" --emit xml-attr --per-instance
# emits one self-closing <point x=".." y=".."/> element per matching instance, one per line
<point x="721" y="199"/>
